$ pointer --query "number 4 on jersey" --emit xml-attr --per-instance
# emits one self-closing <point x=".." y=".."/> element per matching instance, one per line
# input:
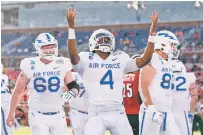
<point x="107" y="79"/>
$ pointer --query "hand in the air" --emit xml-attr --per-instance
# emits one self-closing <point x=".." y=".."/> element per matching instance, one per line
<point x="154" y="19"/>
<point x="10" y="120"/>
<point x="70" y="16"/>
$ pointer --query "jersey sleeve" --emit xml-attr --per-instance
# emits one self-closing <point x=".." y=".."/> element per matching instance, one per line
<point x="67" y="64"/>
<point x="80" y="66"/>
<point x="130" y="64"/>
<point x="24" y="66"/>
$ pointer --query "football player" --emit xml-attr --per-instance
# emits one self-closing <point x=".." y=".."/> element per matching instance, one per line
<point x="102" y="71"/>
<point x="79" y="108"/>
<point x="185" y="95"/>
<point x="131" y="98"/>
<point x="155" y="116"/>
<point x="45" y="77"/>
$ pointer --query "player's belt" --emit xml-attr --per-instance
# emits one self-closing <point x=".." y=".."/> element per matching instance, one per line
<point x="2" y="92"/>
<point x="82" y="112"/>
<point x="49" y="113"/>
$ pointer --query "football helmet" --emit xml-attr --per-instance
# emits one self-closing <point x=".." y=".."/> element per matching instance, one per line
<point x="102" y="40"/>
<point x="167" y="42"/>
<point x="44" y="39"/>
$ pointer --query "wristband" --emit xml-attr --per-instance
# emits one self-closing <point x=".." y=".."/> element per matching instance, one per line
<point x="151" y="39"/>
<point x="71" y="33"/>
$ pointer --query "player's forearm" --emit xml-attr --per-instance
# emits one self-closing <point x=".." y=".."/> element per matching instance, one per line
<point x="72" y="48"/>
<point x="146" y="94"/>
<point x="15" y="99"/>
<point x="193" y="103"/>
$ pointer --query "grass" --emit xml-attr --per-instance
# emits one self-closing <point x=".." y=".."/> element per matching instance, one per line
<point x="26" y="131"/>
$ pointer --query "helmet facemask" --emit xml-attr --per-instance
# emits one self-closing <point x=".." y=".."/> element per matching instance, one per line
<point x="48" y="54"/>
<point x="175" y="51"/>
<point x="102" y="40"/>
<point x="46" y="39"/>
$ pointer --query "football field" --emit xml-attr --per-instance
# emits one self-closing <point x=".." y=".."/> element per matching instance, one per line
<point x="26" y="131"/>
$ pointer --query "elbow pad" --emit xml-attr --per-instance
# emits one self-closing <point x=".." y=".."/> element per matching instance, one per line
<point x="73" y="85"/>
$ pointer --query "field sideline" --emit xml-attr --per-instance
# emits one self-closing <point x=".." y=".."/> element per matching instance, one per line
<point x="26" y="131"/>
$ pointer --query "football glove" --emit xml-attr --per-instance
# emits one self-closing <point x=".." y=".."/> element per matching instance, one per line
<point x="68" y="95"/>
<point x="156" y="116"/>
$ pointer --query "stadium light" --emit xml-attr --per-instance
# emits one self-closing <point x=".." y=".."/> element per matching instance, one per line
<point x="197" y="4"/>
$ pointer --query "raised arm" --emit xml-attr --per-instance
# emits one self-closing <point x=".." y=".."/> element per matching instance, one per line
<point x="147" y="56"/>
<point x="72" y="47"/>
<point x="21" y="83"/>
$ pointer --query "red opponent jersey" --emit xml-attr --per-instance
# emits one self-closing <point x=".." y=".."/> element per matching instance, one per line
<point x="130" y="93"/>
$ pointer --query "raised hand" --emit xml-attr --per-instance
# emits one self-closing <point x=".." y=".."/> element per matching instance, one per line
<point x="154" y="20"/>
<point x="70" y="16"/>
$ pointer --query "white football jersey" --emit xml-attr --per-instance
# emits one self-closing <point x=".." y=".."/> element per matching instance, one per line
<point x="81" y="101"/>
<point x="5" y="94"/>
<point x="103" y="79"/>
<point x="46" y="82"/>
<point x="160" y="87"/>
<point x="181" y="95"/>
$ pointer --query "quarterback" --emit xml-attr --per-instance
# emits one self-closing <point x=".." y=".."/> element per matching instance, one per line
<point x="102" y="71"/>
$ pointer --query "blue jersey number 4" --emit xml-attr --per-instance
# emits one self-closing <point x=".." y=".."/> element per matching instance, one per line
<point x="107" y="79"/>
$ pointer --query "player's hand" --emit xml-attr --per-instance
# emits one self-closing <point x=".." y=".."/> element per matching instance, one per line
<point x="68" y="95"/>
<point x="154" y="115"/>
<point x="154" y="19"/>
<point x="70" y="16"/>
<point x="10" y="120"/>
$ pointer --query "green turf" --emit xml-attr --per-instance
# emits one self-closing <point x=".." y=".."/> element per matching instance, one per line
<point x="26" y="131"/>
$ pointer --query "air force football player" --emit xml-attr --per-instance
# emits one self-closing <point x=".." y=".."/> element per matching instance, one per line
<point x="45" y="77"/>
<point x="185" y="96"/>
<point x="102" y="71"/>
<point x="79" y="108"/>
<point x="5" y="101"/>
<point x="155" y="88"/>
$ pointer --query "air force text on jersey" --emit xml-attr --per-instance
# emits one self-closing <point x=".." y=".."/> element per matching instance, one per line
<point x="48" y="73"/>
<point x="103" y="65"/>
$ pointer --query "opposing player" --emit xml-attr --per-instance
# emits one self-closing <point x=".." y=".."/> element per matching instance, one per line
<point x="45" y="77"/>
<point x="131" y="98"/>
<point x="102" y="71"/>
<point x="156" y="117"/>
<point x="185" y="96"/>
<point x="79" y="108"/>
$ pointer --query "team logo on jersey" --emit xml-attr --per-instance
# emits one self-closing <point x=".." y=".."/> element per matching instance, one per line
<point x="59" y="61"/>
<point x="91" y="55"/>
<point x="32" y="62"/>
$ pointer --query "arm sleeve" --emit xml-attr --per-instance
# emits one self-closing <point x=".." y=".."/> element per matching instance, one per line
<point x="130" y="65"/>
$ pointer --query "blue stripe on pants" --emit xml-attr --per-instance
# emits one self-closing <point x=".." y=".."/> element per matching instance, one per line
<point x="142" y="124"/>
<point x="187" y="123"/>
<point x="3" y="119"/>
